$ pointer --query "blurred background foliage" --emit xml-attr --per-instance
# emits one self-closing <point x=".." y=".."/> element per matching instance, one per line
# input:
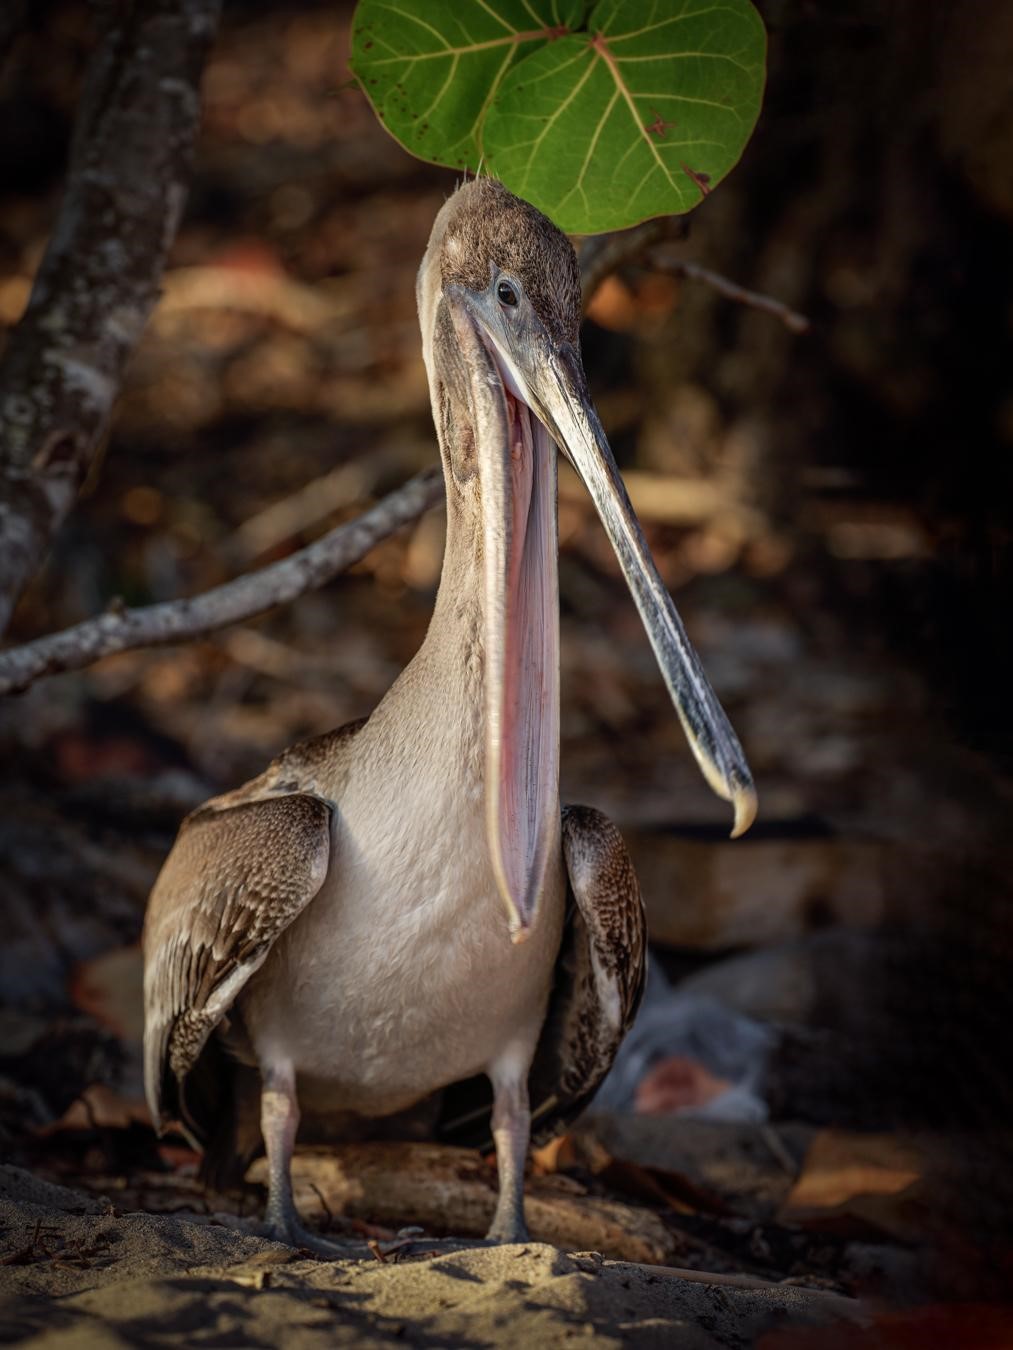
<point x="832" y="511"/>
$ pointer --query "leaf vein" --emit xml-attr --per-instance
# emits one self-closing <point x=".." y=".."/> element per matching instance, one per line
<point x="676" y="18"/>
<point x="514" y="40"/>
<point x="493" y="15"/>
<point x="603" y="51"/>
<point x="414" y="18"/>
<point x="685" y="56"/>
<point x="442" y="90"/>
<point x="551" y="121"/>
<point x="688" y="98"/>
<point x="594" y="139"/>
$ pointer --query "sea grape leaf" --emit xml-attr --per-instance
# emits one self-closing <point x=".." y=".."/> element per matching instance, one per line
<point x="431" y="69"/>
<point x="602" y="119"/>
<point x="633" y="119"/>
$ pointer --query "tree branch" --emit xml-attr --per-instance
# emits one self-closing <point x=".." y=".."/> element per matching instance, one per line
<point x="282" y="582"/>
<point x="246" y="596"/>
<point x="603" y="254"/>
<point x="797" y="323"/>
<point x="129" y="168"/>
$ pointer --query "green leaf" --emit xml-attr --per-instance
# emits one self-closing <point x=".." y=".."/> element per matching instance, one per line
<point x="431" y="70"/>
<point x="638" y="114"/>
<point x="638" y="120"/>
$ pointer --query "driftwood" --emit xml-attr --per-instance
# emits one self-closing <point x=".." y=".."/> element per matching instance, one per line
<point x="453" y="1191"/>
<point x="126" y="186"/>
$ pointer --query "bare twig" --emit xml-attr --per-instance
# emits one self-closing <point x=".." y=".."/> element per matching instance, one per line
<point x="602" y="254"/>
<point x="797" y="323"/>
<point x="129" y="167"/>
<point x="383" y="1250"/>
<point x="181" y="620"/>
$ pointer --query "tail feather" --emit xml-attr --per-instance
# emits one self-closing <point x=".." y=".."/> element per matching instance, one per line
<point x="219" y="1107"/>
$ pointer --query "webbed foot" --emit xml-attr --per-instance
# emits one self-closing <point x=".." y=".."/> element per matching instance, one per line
<point x="293" y="1234"/>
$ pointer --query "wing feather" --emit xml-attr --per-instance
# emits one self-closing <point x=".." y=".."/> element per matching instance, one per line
<point x="235" y="879"/>
<point x="599" y="973"/>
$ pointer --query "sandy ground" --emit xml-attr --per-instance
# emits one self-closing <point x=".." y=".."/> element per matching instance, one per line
<point x="75" y="1272"/>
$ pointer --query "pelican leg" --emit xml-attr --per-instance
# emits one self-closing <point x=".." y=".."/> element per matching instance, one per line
<point x="511" y="1131"/>
<point x="279" y="1122"/>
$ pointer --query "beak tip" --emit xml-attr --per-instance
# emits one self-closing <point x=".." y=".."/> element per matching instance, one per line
<point x="520" y="915"/>
<point x="745" y="805"/>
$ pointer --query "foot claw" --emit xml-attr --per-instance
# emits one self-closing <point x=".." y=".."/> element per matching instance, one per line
<point x="297" y="1236"/>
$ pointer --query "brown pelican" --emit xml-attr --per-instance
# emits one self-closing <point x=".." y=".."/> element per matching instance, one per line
<point x="401" y="905"/>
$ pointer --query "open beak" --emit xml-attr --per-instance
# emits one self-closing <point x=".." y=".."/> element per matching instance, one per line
<point x="557" y="389"/>
<point x="517" y="477"/>
<point x="530" y="391"/>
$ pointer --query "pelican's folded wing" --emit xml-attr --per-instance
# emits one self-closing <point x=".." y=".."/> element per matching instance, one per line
<point x="237" y="876"/>
<point x="599" y="973"/>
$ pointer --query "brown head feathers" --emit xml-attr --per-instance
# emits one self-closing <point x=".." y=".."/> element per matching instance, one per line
<point x="487" y="224"/>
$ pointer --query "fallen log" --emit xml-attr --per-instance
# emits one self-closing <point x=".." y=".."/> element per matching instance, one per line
<point x="453" y="1191"/>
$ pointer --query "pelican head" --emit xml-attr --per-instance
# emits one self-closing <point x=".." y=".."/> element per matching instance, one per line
<point x="499" y="305"/>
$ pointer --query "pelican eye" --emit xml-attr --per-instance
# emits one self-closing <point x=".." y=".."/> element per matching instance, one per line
<point x="507" y="294"/>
